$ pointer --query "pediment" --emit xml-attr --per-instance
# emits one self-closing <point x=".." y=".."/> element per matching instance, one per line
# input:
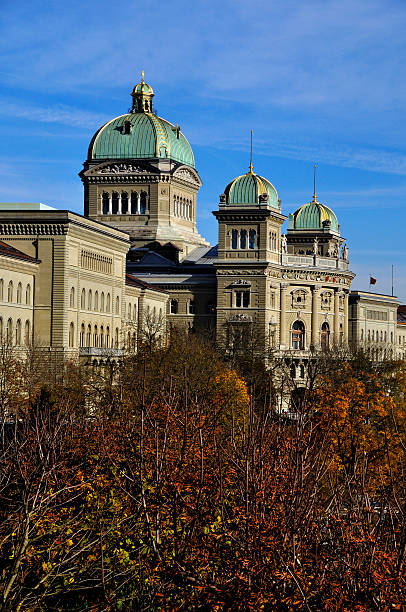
<point x="187" y="174"/>
<point x="118" y="168"/>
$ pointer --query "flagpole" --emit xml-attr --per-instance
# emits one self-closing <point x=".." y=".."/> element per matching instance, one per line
<point x="392" y="280"/>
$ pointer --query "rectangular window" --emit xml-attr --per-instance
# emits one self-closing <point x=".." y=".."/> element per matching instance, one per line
<point x="242" y="299"/>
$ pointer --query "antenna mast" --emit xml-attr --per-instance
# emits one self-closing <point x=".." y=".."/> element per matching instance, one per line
<point x="251" y="166"/>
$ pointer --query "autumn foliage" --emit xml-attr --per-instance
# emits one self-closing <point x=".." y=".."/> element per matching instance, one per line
<point x="165" y="485"/>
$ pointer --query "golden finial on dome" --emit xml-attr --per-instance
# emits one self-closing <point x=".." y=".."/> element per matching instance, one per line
<point x="251" y="166"/>
<point x="142" y="76"/>
<point x="314" y="184"/>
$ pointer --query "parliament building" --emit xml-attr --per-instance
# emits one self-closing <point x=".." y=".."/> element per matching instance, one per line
<point x="90" y="285"/>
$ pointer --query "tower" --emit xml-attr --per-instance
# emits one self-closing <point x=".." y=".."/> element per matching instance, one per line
<point x="140" y="177"/>
<point x="250" y="219"/>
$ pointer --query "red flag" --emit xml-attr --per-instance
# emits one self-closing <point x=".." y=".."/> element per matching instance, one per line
<point x="372" y="280"/>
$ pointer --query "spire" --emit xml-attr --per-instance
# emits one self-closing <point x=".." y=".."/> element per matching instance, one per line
<point x="314" y="184"/>
<point x="251" y="166"/>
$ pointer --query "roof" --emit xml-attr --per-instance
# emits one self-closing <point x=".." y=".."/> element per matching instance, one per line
<point x="247" y="189"/>
<point x="140" y="136"/>
<point x="25" y="206"/>
<point x="378" y="297"/>
<point x="9" y="251"/>
<point x="133" y="281"/>
<point x="311" y="216"/>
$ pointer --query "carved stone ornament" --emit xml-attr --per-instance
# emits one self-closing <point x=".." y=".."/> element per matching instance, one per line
<point x="240" y="318"/>
<point x="122" y="169"/>
<point x="186" y="175"/>
<point x="241" y="281"/>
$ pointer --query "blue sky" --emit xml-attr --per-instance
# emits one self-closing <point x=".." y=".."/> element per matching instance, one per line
<point x="317" y="81"/>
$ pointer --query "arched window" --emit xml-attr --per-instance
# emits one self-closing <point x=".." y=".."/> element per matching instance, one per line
<point x="298" y="335"/>
<point x="83" y="299"/>
<point x="124" y="203"/>
<point x="95" y="336"/>
<point x="27" y="333"/>
<point x="28" y="294"/>
<point x="301" y="371"/>
<point x="89" y="300"/>
<point x="174" y="306"/>
<point x="10" y="292"/>
<point x="325" y="336"/>
<point x="72" y="298"/>
<point x="106" y="199"/>
<point x="234" y="239"/>
<point x="96" y="301"/>
<point x="135" y="312"/>
<point x="107" y="336"/>
<point x="19" y="294"/>
<point x="18" y="333"/>
<point x="89" y="335"/>
<point x="71" y="335"/>
<point x="134" y="203"/>
<point x="102" y="302"/>
<point x="143" y="202"/>
<point x="108" y="303"/>
<point x="391" y="337"/>
<point x="252" y="238"/>
<point x="117" y="305"/>
<point x="243" y="239"/>
<point x="1" y="328"/>
<point x="9" y="332"/>
<point x="1" y="289"/>
<point x="101" y="344"/>
<point x="362" y="335"/>
<point x="116" y="334"/>
<point x="192" y="307"/>
<point x="114" y="202"/>
<point x="82" y="335"/>
<point x="129" y="311"/>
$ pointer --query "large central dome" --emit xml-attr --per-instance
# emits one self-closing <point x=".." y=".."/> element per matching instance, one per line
<point x="140" y="134"/>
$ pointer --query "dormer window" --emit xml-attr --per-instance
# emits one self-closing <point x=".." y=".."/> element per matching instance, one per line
<point x="127" y="127"/>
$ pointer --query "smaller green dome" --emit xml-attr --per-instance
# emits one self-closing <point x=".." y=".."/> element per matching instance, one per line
<point x="248" y="189"/>
<point x="313" y="216"/>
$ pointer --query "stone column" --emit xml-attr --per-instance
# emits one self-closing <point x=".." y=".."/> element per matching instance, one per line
<point x="345" y="324"/>
<point x="282" y="316"/>
<point x="101" y="204"/>
<point x="336" y="317"/>
<point x="110" y="204"/>
<point x="138" y="209"/>
<point x="119" y="209"/>
<point x="315" y="316"/>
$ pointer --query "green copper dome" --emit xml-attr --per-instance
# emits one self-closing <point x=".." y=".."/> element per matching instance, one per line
<point x="311" y="216"/>
<point x="140" y="134"/>
<point x="248" y="188"/>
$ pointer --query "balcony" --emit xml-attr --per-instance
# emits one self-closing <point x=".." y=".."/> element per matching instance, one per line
<point x="314" y="261"/>
<point x="95" y="351"/>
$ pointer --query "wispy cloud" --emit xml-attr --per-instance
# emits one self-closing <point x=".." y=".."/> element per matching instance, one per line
<point x="64" y="115"/>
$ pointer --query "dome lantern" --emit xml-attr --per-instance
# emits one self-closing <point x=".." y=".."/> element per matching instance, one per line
<point x="142" y="95"/>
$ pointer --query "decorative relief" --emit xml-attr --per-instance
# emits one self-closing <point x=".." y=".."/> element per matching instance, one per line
<point x="121" y="169"/>
<point x="240" y="318"/>
<point x="29" y="229"/>
<point x="241" y="281"/>
<point x="163" y="191"/>
<point x="186" y="175"/>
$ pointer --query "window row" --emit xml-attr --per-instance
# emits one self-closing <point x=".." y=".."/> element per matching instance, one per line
<point x="12" y="334"/>
<point x="244" y="239"/>
<point x="376" y="336"/>
<point x="273" y="241"/>
<point x="20" y="293"/>
<point x="95" y="302"/>
<point x="124" y="203"/>
<point x="131" y="312"/>
<point x="298" y="335"/>
<point x="191" y="307"/>
<point x="377" y="315"/>
<point x="94" y="336"/>
<point x="96" y="262"/>
<point x="182" y="207"/>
